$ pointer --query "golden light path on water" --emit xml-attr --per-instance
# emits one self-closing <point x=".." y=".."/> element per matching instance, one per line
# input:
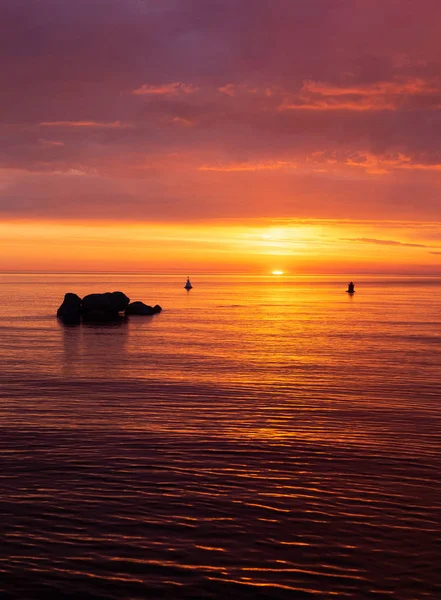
<point x="263" y="437"/>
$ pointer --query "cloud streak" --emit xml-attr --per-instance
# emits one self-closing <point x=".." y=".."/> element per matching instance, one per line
<point x="377" y="96"/>
<point x="85" y="124"/>
<point x="385" y="242"/>
<point x="167" y="89"/>
<point x="249" y="167"/>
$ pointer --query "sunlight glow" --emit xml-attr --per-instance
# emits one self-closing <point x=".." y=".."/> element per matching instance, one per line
<point x="312" y="246"/>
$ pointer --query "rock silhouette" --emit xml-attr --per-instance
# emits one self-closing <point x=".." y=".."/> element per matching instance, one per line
<point x="139" y="308"/>
<point x="112" y="301"/>
<point x="70" y="310"/>
<point x="101" y="308"/>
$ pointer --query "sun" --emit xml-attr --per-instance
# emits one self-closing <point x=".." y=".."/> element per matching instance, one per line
<point x="277" y="272"/>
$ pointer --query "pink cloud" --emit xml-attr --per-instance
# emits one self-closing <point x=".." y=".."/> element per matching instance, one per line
<point x="229" y="89"/>
<point x="379" y="88"/>
<point x="167" y="89"/>
<point x="384" y="164"/>
<point x="50" y="143"/>
<point x="317" y="98"/>
<point x="85" y="124"/>
<point x="183" y="122"/>
<point x="249" y="166"/>
<point x="323" y="105"/>
<point x="376" y="96"/>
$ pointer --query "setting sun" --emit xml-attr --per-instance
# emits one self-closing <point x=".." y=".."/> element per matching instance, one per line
<point x="277" y="272"/>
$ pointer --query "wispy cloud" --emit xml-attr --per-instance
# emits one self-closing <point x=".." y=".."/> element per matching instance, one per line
<point x="385" y="242"/>
<point x="339" y="105"/>
<point x="233" y="90"/>
<point x="377" y="96"/>
<point x="165" y="89"/>
<point x="379" y="88"/>
<point x="86" y="124"/>
<point x="229" y="89"/>
<point x="383" y="164"/>
<point x="182" y="121"/>
<point x="260" y="166"/>
<point x="50" y="143"/>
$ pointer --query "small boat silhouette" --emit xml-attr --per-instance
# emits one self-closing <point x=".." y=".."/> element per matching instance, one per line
<point x="188" y="285"/>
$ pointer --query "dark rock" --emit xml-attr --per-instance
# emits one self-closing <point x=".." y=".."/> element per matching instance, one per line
<point x="110" y="301"/>
<point x="119" y="301"/>
<point x="96" y="302"/>
<point x="98" y="315"/>
<point x="110" y="307"/>
<point x="139" y="308"/>
<point x="70" y="310"/>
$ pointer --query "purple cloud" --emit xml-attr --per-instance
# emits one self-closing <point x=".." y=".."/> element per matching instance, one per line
<point x="183" y="108"/>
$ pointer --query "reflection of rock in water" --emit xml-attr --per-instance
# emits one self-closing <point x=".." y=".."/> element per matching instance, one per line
<point x="101" y="308"/>
<point x="95" y="350"/>
<point x="71" y="350"/>
<point x="104" y="333"/>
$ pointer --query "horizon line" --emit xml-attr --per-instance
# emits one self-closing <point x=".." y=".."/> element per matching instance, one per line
<point x="221" y="273"/>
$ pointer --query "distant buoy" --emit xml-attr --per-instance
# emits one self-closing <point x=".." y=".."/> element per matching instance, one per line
<point x="188" y="285"/>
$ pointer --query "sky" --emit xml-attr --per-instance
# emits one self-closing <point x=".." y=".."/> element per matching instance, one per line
<point x="220" y="135"/>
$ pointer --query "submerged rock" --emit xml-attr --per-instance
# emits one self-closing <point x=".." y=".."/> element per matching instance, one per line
<point x="139" y="308"/>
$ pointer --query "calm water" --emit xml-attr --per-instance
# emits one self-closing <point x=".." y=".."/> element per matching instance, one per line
<point x="268" y="438"/>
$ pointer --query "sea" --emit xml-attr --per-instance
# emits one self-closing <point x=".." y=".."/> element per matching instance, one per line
<point x="260" y="438"/>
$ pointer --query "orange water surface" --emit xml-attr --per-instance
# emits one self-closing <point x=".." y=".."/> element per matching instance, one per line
<point x="260" y="438"/>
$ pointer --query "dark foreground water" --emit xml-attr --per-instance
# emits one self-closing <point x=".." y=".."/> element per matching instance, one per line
<point x="268" y="438"/>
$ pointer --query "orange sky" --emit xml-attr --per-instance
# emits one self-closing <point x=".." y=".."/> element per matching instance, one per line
<point x="250" y="246"/>
<point x="221" y="136"/>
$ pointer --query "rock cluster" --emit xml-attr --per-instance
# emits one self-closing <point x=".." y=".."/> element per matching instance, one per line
<point x="102" y="308"/>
